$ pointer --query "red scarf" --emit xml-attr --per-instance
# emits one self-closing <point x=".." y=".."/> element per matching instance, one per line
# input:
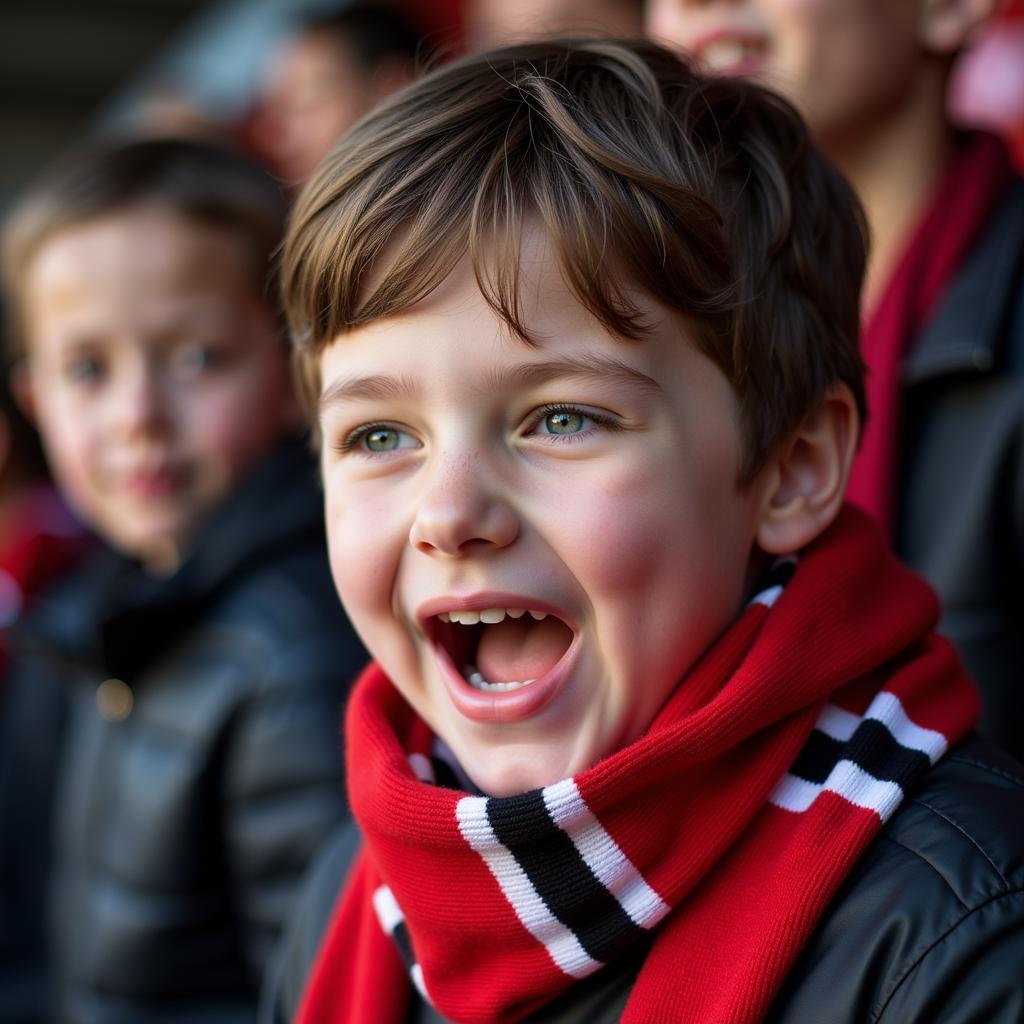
<point x="974" y="181"/>
<point x="724" y="831"/>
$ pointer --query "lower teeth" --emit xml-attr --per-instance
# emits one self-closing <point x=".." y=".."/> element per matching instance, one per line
<point x="478" y="682"/>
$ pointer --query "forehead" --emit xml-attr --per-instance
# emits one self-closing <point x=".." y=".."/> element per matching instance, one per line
<point x="139" y="264"/>
<point x="310" y="62"/>
<point x="453" y="348"/>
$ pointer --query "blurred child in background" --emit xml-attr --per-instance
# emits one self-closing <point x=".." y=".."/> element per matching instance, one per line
<point x="325" y="78"/>
<point x="203" y="658"/>
<point x="940" y="465"/>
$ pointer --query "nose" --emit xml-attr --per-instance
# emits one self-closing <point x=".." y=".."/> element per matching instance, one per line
<point x="139" y="407"/>
<point x="461" y="510"/>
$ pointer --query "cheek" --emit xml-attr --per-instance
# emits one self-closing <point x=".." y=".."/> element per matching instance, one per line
<point x="222" y="426"/>
<point x="840" y="58"/>
<point x="663" y="568"/>
<point x="67" y="431"/>
<point x="365" y="541"/>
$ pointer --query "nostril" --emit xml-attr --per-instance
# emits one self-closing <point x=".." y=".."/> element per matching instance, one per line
<point x="464" y="531"/>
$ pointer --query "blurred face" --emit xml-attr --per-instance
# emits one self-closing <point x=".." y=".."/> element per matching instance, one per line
<point x="498" y="22"/>
<point x="844" y="63"/>
<point x="536" y="543"/>
<point x="315" y="94"/>
<point x="157" y="374"/>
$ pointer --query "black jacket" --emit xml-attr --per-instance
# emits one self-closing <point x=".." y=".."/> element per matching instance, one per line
<point x="200" y="763"/>
<point x="927" y="929"/>
<point x="960" y="515"/>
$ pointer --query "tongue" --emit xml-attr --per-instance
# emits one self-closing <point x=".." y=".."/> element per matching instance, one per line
<point x="519" y="649"/>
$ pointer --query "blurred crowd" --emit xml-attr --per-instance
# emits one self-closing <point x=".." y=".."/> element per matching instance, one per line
<point x="174" y="661"/>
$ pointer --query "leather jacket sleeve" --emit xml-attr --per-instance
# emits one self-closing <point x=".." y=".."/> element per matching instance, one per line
<point x="929" y="927"/>
<point x="283" y="789"/>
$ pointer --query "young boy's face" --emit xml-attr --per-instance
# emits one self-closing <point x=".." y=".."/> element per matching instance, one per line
<point x="156" y="371"/>
<point x="578" y="497"/>
<point x="844" y="63"/>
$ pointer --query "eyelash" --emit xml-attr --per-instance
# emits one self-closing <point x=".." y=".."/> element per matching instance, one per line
<point x="607" y="422"/>
<point x="348" y="443"/>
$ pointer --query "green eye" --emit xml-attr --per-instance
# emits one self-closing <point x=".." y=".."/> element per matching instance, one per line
<point x="194" y="359"/>
<point x="563" y="421"/>
<point x="384" y="439"/>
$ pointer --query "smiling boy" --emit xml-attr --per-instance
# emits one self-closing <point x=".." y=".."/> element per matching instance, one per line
<point x="581" y="328"/>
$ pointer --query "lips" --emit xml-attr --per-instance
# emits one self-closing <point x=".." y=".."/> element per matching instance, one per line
<point x="151" y="483"/>
<point x="502" y="660"/>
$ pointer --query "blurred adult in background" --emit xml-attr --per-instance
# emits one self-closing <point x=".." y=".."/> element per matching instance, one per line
<point x="330" y="73"/>
<point x="941" y="465"/>
<point x="499" y="22"/>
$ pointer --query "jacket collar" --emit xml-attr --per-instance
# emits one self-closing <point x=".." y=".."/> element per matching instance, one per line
<point x="965" y="332"/>
<point x="114" y="617"/>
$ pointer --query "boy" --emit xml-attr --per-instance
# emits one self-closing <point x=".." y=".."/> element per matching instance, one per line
<point x="158" y="376"/>
<point x="939" y="467"/>
<point x="582" y="330"/>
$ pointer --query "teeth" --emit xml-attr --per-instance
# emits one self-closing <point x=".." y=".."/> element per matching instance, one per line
<point x="726" y="53"/>
<point x="478" y="682"/>
<point x="490" y="616"/>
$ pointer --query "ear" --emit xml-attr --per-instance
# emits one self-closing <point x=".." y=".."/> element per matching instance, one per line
<point x="944" y="26"/>
<point x="803" y="484"/>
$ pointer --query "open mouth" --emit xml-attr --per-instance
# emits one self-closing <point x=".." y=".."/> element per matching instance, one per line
<point x="502" y="649"/>
<point x="732" y="54"/>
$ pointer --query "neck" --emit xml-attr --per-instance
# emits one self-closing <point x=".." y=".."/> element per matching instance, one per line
<point x="894" y="167"/>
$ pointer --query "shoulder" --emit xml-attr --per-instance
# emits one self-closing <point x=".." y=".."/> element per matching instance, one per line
<point x="930" y="924"/>
<point x="282" y="619"/>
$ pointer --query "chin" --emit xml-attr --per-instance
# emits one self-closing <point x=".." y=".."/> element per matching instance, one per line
<point x="521" y="772"/>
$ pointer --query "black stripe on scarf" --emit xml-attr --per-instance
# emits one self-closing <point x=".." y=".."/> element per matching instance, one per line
<point x="561" y="876"/>
<point x="871" y="747"/>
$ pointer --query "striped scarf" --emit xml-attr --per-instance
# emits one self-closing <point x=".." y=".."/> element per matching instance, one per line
<point x="718" y="838"/>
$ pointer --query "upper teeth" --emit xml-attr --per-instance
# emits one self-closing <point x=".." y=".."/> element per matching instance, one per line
<point x="725" y="53"/>
<point x="488" y="615"/>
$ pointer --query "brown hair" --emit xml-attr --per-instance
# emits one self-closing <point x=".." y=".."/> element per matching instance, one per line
<point x="197" y="180"/>
<point x="705" y="190"/>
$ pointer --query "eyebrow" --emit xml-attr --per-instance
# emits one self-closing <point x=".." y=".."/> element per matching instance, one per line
<point x="594" y="368"/>
<point x="347" y="389"/>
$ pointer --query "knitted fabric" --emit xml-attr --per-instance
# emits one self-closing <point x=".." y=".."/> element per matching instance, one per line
<point x="718" y="837"/>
